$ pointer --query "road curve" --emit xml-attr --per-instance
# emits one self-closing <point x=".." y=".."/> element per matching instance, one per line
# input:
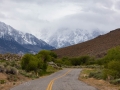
<point x="66" y="79"/>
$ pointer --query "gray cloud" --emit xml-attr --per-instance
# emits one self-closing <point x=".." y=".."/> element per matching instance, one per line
<point x="117" y="5"/>
<point x="35" y="16"/>
<point x="2" y="15"/>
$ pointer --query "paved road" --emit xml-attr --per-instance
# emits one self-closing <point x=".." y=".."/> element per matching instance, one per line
<point x="66" y="79"/>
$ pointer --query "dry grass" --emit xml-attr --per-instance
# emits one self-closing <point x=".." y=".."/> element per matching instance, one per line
<point x="100" y="84"/>
<point x="7" y="85"/>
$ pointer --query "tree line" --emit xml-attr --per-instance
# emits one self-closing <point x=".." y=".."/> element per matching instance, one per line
<point x="38" y="62"/>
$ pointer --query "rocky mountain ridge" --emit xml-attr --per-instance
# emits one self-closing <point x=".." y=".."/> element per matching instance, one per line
<point x="28" y="41"/>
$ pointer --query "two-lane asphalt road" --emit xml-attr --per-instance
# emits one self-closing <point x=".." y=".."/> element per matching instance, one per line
<point x="66" y="79"/>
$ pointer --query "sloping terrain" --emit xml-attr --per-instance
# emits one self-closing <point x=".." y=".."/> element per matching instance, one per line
<point x="16" y="41"/>
<point x="64" y="37"/>
<point x="11" y="46"/>
<point x="96" y="47"/>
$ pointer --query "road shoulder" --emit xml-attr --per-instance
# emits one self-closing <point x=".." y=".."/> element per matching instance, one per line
<point x="99" y="84"/>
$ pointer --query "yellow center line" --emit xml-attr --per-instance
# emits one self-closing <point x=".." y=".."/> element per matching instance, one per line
<point x="52" y="81"/>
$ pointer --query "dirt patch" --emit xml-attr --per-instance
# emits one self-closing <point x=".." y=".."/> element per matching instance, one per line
<point x="2" y="76"/>
<point x="7" y="84"/>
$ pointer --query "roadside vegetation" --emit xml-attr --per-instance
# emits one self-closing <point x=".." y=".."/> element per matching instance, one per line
<point x="106" y="68"/>
<point x="105" y="71"/>
<point x="76" y="61"/>
<point x="46" y="62"/>
<point x="111" y="64"/>
<point x="16" y="67"/>
<point x="38" y="63"/>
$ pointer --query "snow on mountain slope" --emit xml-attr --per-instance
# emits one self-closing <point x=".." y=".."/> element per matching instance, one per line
<point x="66" y="37"/>
<point x="60" y="38"/>
<point x="20" y="37"/>
<point x="25" y="39"/>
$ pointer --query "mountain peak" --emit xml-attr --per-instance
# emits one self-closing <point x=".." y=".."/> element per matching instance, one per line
<point x="65" y="36"/>
<point x="96" y="47"/>
<point x="27" y="40"/>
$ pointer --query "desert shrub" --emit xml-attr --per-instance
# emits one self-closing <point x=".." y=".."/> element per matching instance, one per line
<point x="94" y="66"/>
<point x="24" y="73"/>
<point x="14" y="71"/>
<point x="112" y="54"/>
<point x="116" y="81"/>
<point x="112" y="70"/>
<point x="114" y="65"/>
<point x="8" y="69"/>
<point x="17" y="65"/>
<point x="7" y="63"/>
<point x="11" y="70"/>
<point x="2" y="81"/>
<point x="96" y="74"/>
<point x="111" y="63"/>
<point x="59" y="62"/>
<point x="12" y="63"/>
<point x="2" y="68"/>
<point x="12" y="78"/>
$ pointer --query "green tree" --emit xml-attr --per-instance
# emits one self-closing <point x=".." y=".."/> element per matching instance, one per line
<point x="39" y="62"/>
<point x="44" y="55"/>
<point x="112" y="54"/>
<point x="25" y="60"/>
<point x="30" y="63"/>
<point x="113" y="69"/>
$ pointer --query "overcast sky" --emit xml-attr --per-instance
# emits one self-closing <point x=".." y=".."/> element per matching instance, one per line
<point x="34" y="16"/>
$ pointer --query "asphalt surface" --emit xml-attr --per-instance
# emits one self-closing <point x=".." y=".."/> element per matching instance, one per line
<point x="66" y="79"/>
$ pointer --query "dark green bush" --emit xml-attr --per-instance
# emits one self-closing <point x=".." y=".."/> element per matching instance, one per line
<point x="111" y="63"/>
<point x="30" y="63"/>
<point x="112" y="70"/>
<point x="83" y="60"/>
<point x="45" y="55"/>
<point x="112" y="54"/>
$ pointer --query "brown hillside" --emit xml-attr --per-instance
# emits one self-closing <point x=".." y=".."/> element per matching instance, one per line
<point x="96" y="47"/>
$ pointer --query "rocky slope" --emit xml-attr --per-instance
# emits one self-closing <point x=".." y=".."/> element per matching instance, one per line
<point x="96" y="47"/>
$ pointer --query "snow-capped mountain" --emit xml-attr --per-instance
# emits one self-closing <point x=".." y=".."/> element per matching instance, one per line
<point x="66" y="37"/>
<point x="27" y="40"/>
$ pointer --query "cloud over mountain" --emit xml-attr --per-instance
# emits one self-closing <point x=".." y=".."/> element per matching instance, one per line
<point x="34" y="16"/>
